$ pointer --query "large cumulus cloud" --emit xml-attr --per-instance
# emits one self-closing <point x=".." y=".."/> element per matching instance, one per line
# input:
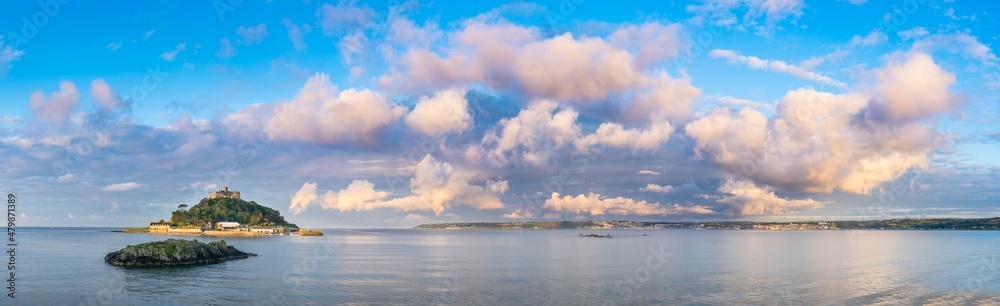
<point x="821" y="142"/>
<point x="434" y="186"/>
<point x="596" y="204"/>
<point x="322" y="114"/>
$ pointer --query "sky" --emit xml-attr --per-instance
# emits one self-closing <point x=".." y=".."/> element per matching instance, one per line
<point x="357" y="114"/>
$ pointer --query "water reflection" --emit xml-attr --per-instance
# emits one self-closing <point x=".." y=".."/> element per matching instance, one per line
<point x="530" y="267"/>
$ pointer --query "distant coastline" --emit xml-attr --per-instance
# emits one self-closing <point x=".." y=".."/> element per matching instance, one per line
<point x="888" y="224"/>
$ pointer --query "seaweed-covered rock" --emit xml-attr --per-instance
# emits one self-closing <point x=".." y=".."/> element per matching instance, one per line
<point x="174" y="252"/>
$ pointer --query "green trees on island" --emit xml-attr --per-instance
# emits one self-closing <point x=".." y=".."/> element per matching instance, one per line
<point x="209" y="211"/>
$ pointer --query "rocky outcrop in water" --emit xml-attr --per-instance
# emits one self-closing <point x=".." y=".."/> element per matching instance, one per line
<point x="174" y="252"/>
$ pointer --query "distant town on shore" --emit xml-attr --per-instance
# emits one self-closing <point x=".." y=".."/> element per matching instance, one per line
<point x="890" y="224"/>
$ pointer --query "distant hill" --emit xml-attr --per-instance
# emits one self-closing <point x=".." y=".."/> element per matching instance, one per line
<point x="209" y="211"/>
<point x="511" y="225"/>
<point x="890" y="224"/>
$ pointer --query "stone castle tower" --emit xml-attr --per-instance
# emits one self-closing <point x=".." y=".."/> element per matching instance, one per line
<point x="224" y="193"/>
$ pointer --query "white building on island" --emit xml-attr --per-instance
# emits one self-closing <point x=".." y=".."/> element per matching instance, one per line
<point x="270" y="230"/>
<point x="227" y="226"/>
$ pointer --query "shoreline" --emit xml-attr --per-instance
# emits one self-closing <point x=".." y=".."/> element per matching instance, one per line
<point x="978" y="224"/>
<point x="217" y="233"/>
<point x="706" y="229"/>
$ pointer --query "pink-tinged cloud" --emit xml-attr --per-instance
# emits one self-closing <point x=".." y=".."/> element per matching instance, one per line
<point x="124" y="186"/>
<point x="323" y="115"/>
<point x="532" y="136"/>
<point x="754" y="62"/>
<point x="303" y="198"/>
<point x="104" y="95"/>
<point x="657" y="188"/>
<point x="821" y="142"/>
<point x="435" y="187"/>
<point x="511" y="57"/>
<point x="744" y="198"/>
<point x="913" y="88"/>
<point x="58" y="105"/>
<point x="444" y="113"/>
<point x="596" y="204"/>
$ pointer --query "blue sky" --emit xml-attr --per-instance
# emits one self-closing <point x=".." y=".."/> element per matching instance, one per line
<point x="392" y="114"/>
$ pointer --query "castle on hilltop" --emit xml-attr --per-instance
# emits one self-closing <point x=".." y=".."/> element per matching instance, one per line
<point x="224" y="193"/>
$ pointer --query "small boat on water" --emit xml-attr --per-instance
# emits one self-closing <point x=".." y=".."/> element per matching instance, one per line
<point x="596" y="236"/>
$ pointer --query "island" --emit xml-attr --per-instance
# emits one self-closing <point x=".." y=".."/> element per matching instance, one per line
<point x="889" y="224"/>
<point x="223" y="213"/>
<point x="174" y="252"/>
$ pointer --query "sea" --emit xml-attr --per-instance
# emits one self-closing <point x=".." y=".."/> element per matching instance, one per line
<point x="65" y="266"/>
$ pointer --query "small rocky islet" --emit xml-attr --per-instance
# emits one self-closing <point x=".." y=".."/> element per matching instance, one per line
<point x="174" y="252"/>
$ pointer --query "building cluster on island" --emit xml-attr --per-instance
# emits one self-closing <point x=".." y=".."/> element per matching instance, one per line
<point x="222" y="228"/>
<point x="231" y="228"/>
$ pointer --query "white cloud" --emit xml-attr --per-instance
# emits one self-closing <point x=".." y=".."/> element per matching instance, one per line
<point x="444" y="113"/>
<point x="532" y="136"/>
<point x="253" y="34"/>
<point x="774" y="65"/>
<point x="740" y="103"/>
<point x="595" y="204"/>
<point x="303" y="198"/>
<point x="776" y="10"/>
<point x="657" y="98"/>
<point x="345" y="17"/>
<point x="405" y="32"/>
<point x="145" y="36"/>
<point x="435" y="186"/>
<point x="912" y="88"/>
<point x="359" y="195"/>
<point x="124" y="186"/>
<point x="68" y="177"/>
<point x="226" y="50"/>
<point x="651" y="43"/>
<point x="357" y="42"/>
<point x="873" y="38"/>
<point x="414" y="217"/>
<point x="498" y="186"/>
<point x="170" y="55"/>
<point x="720" y="12"/>
<point x="519" y="213"/>
<point x="105" y="96"/>
<point x="962" y="43"/>
<point x="58" y="105"/>
<point x="913" y="33"/>
<point x="7" y="55"/>
<point x="113" y="46"/>
<point x="746" y="199"/>
<point x="203" y="186"/>
<point x="321" y="114"/>
<point x="564" y="67"/>
<point x="657" y="188"/>
<point x="819" y="142"/>
<point x="648" y="172"/>
<point x="296" y="33"/>
<point x="617" y="136"/>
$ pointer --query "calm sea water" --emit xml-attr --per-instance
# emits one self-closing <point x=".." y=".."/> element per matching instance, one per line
<point x="547" y="267"/>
